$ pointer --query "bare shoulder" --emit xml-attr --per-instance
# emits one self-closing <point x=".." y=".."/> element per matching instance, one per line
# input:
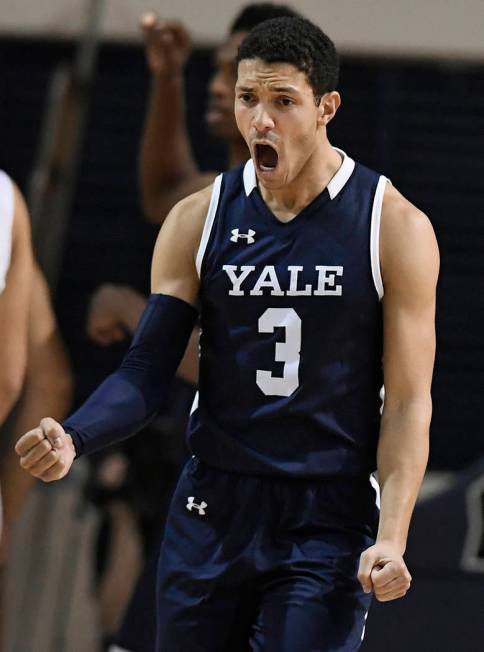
<point x="173" y="269"/>
<point x="407" y="238"/>
<point x="187" y="218"/>
<point x="192" y="210"/>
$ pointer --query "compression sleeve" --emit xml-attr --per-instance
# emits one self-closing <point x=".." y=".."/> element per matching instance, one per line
<point x="130" y="397"/>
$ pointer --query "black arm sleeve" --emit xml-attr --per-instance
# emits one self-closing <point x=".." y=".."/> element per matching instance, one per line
<point x="130" y="397"/>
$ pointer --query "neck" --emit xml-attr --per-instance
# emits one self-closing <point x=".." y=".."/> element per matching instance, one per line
<point x="286" y="202"/>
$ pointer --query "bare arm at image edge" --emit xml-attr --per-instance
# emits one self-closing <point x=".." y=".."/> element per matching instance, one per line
<point x="167" y="169"/>
<point x="14" y="309"/>
<point x="410" y="266"/>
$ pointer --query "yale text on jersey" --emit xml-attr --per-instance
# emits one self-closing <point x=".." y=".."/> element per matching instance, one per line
<point x="245" y="280"/>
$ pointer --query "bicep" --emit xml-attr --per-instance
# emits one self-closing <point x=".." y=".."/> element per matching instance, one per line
<point x="409" y="312"/>
<point x="173" y="270"/>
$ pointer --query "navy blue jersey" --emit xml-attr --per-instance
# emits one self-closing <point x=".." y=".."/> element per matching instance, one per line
<point x="291" y="344"/>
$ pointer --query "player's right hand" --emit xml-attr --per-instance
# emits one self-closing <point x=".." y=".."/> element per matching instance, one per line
<point x="167" y="44"/>
<point x="46" y="452"/>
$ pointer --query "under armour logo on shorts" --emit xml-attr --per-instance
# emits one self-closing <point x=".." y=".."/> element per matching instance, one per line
<point x="193" y="505"/>
<point x="249" y="237"/>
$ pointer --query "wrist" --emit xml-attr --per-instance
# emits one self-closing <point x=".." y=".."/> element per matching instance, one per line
<point x="163" y="78"/>
<point x="70" y="444"/>
<point x="395" y="544"/>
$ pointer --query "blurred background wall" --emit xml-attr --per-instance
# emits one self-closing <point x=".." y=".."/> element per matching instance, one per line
<point x="413" y="27"/>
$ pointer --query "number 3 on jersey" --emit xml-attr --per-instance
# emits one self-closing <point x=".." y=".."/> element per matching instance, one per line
<point x="287" y="352"/>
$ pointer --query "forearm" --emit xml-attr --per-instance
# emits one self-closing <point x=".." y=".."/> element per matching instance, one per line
<point x="402" y="457"/>
<point x="166" y="157"/>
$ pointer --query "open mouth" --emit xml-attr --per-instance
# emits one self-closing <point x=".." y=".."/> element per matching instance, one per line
<point x="266" y="157"/>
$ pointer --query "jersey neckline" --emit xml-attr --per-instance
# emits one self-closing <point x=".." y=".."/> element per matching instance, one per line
<point x="334" y="187"/>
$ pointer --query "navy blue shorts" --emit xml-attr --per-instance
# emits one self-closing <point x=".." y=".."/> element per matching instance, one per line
<point x="263" y="564"/>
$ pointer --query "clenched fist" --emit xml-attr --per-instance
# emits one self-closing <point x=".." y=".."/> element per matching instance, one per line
<point x="47" y="452"/>
<point x="167" y="44"/>
<point x="383" y="571"/>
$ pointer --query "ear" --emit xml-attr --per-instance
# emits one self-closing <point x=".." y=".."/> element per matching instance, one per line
<point x="328" y="105"/>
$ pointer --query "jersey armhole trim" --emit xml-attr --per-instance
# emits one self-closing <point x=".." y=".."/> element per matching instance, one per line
<point x="209" y="220"/>
<point x="375" y="235"/>
<point x="7" y="208"/>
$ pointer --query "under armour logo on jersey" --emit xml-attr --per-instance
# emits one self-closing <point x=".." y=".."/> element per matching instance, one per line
<point x="249" y="236"/>
<point x="193" y="505"/>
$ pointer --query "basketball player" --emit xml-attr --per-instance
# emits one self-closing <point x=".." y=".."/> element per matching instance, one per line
<point x="34" y="373"/>
<point x="308" y="268"/>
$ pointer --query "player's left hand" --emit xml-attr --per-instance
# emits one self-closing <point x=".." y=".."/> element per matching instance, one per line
<point x="383" y="571"/>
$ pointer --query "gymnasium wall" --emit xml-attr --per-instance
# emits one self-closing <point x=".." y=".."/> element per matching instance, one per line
<point x="442" y="28"/>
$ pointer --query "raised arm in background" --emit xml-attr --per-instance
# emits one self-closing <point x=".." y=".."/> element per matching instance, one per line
<point x="167" y="169"/>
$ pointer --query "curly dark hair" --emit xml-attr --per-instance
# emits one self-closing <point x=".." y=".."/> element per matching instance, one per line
<point x="255" y="13"/>
<point x="299" y="42"/>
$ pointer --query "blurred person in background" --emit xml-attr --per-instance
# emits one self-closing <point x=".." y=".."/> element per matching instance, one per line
<point x="48" y="382"/>
<point x="34" y="368"/>
<point x="168" y="171"/>
<point x="16" y="270"/>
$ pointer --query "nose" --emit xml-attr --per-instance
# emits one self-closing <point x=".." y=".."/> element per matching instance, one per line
<point x="262" y="120"/>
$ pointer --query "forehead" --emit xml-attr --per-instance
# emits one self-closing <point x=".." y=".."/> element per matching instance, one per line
<point x="256" y="72"/>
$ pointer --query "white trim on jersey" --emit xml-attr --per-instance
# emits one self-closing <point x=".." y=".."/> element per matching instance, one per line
<point x="6" y="220"/>
<point x="207" y="228"/>
<point x="334" y="187"/>
<point x="338" y="182"/>
<point x="375" y="235"/>
<point x="249" y="176"/>
<point x="194" y="407"/>
<point x="376" y="486"/>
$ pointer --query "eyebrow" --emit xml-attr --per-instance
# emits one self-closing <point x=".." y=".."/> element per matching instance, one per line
<point x="284" y="89"/>
<point x="276" y="89"/>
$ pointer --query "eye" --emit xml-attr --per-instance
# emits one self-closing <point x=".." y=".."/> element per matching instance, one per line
<point x="285" y="101"/>
<point x="246" y="98"/>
